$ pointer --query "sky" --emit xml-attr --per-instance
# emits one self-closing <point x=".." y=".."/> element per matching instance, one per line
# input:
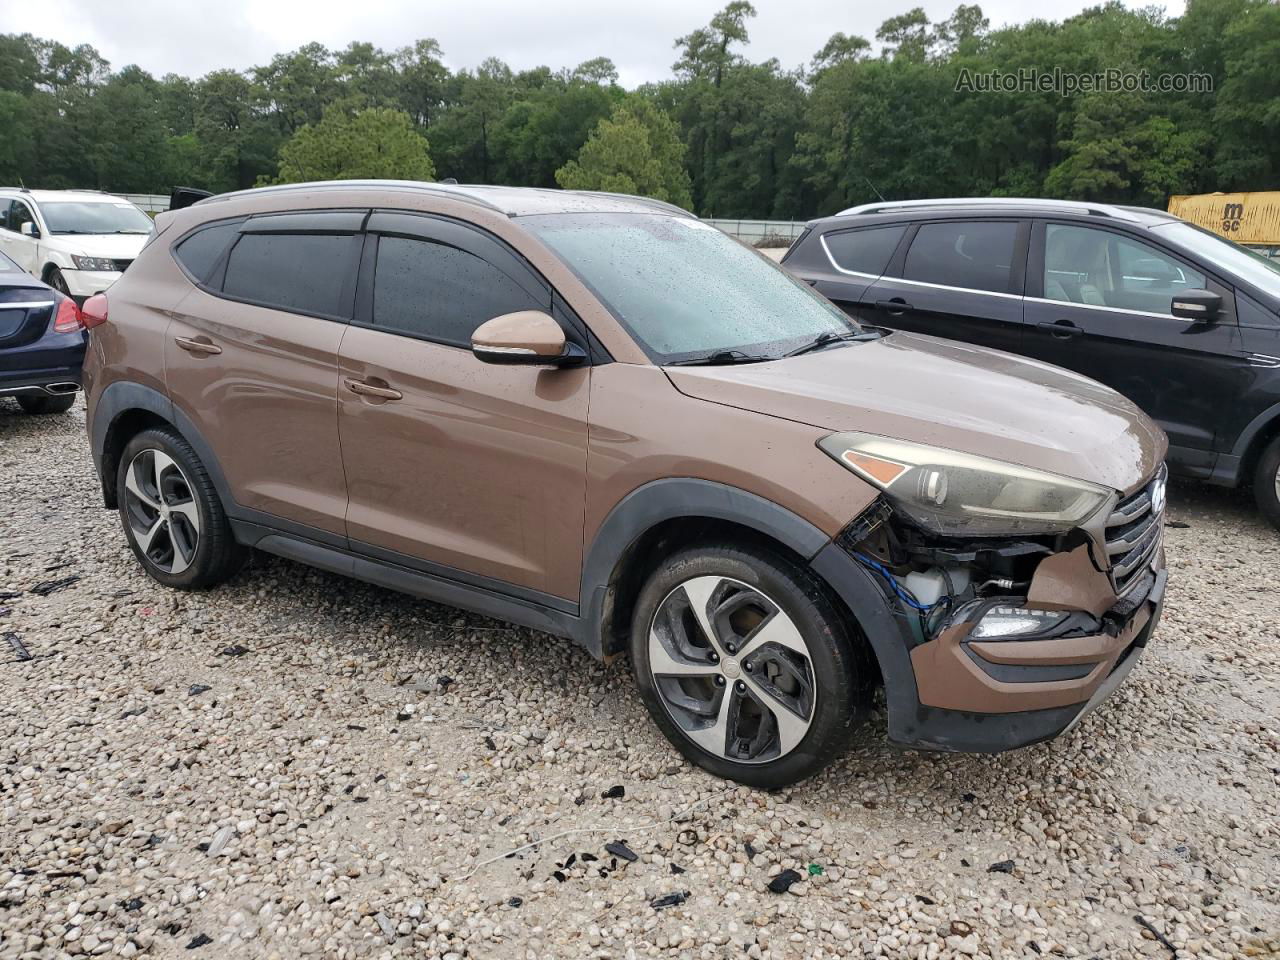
<point x="194" y="37"/>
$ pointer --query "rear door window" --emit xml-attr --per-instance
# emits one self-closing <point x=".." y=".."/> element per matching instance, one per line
<point x="311" y="273"/>
<point x="972" y="255"/>
<point x="864" y="251"/>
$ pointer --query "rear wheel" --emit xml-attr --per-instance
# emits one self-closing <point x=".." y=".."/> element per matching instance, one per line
<point x="47" y="404"/>
<point x="1266" y="482"/>
<point x="747" y="665"/>
<point x="172" y="515"/>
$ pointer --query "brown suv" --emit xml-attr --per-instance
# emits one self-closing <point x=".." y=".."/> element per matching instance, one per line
<point x="600" y="417"/>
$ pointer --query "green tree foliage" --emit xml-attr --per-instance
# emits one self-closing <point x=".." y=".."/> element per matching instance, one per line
<point x="636" y="149"/>
<point x="376" y="143"/>
<point x="863" y="118"/>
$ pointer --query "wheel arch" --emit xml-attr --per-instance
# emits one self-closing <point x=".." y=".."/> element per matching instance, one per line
<point x="1254" y="439"/>
<point x="125" y="409"/>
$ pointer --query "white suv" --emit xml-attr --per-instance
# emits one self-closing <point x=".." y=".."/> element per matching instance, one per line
<point x="77" y="241"/>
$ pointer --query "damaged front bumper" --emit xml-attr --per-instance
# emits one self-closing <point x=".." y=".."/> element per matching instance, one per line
<point x="957" y="688"/>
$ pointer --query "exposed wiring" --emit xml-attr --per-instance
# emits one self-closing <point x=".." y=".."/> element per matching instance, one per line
<point x="925" y="612"/>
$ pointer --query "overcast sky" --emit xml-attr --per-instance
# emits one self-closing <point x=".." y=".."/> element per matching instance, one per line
<point x="192" y="38"/>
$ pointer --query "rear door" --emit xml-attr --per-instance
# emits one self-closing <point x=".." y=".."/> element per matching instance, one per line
<point x="251" y="357"/>
<point x="959" y="279"/>
<point x="1098" y="303"/>
<point x="455" y="466"/>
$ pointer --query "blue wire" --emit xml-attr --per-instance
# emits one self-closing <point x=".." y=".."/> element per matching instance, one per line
<point x="903" y="594"/>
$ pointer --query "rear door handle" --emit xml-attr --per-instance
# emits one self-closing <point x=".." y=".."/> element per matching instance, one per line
<point x="896" y="305"/>
<point x="1061" y="329"/>
<point x="200" y="345"/>
<point x="371" y="390"/>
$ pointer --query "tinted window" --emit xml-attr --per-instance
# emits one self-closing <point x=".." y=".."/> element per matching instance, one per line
<point x="200" y="251"/>
<point x="441" y="292"/>
<point x="976" y="256"/>
<point x="1105" y="269"/>
<point x="307" y="273"/>
<point x="864" y="251"/>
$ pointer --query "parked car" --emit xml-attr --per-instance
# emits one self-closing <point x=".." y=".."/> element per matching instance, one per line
<point x="42" y="342"/>
<point x="602" y="418"/>
<point x="76" y="241"/>
<point x="1181" y="321"/>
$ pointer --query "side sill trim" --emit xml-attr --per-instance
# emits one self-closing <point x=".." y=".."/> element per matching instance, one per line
<point x="428" y="586"/>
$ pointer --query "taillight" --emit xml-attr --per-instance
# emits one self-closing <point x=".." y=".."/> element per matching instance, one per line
<point x="94" y="311"/>
<point x="67" y="319"/>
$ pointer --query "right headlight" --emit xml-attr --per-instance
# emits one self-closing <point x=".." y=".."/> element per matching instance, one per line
<point x="960" y="494"/>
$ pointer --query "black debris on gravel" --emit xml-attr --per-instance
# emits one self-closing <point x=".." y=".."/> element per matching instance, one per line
<point x="619" y="849"/>
<point x="19" y="649"/>
<point x="1177" y="525"/>
<point x="1146" y="924"/>
<point x="673" y="899"/>
<point x="46" y="587"/>
<point x="444" y="682"/>
<point x="10" y="594"/>
<point x="783" y="881"/>
<point x="135" y="712"/>
<point x="199" y="940"/>
<point x="515" y="902"/>
<point x="614" y="793"/>
<point x="197" y="689"/>
<point x="234" y="651"/>
<point x="676" y="868"/>
<point x="749" y="850"/>
<point x="1001" y="866"/>
<point x="131" y="906"/>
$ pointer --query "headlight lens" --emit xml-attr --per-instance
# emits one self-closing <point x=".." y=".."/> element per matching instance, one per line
<point x="959" y="494"/>
<point x="94" y="263"/>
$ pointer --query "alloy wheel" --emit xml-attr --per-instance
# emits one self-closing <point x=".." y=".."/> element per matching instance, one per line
<point x="732" y="670"/>
<point x="161" y="510"/>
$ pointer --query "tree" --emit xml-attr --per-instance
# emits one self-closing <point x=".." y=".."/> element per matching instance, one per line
<point x="635" y="150"/>
<point x="373" y="144"/>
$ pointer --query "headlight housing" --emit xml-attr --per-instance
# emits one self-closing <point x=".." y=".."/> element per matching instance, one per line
<point x="963" y="495"/>
<point x="94" y="263"/>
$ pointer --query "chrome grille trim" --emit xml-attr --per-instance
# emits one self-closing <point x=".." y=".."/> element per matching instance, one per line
<point x="1133" y="534"/>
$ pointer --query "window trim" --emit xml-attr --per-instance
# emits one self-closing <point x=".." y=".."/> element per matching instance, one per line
<point x="1016" y="287"/>
<point x="1036" y="268"/>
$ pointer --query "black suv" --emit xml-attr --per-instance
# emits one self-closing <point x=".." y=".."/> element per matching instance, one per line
<point x="1184" y="323"/>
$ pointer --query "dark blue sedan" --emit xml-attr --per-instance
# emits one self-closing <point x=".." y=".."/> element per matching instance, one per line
<point x="42" y="342"/>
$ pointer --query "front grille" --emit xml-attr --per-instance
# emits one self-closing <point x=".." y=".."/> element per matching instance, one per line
<point x="1134" y="531"/>
<point x="122" y="265"/>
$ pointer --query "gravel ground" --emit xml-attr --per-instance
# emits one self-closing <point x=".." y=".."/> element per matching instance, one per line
<point x="301" y="765"/>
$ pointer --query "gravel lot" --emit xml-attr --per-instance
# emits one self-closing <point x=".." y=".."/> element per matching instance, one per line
<point x="301" y="765"/>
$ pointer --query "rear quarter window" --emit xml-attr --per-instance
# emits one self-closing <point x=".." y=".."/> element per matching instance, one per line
<point x="864" y="251"/>
<point x="200" y="252"/>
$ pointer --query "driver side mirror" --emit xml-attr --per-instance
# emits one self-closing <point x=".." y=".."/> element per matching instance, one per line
<point x="528" y="337"/>
<point x="1201" y="305"/>
<point x="29" y="229"/>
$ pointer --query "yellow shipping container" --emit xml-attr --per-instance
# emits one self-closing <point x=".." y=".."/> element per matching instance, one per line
<point x="1248" y="218"/>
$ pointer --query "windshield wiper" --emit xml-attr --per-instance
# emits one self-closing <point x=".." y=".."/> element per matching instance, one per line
<point x="720" y="358"/>
<point x="825" y="339"/>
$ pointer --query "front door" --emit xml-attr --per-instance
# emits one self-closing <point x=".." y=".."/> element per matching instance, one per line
<point x="454" y="466"/>
<point x="1101" y="307"/>
<point x="959" y="279"/>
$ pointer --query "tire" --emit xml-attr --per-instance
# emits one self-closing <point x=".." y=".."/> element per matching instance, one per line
<point x="763" y="611"/>
<point x="170" y="499"/>
<point x="1266" y="482"/>
<point x="58" y="281"/>
<point x="46" y="404"/>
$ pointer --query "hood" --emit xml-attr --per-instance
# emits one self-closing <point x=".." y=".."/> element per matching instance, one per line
<point x="117" y="246"/>
<point x="950" y="395"/>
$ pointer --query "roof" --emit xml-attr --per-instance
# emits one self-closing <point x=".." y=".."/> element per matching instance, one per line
<point x="1140" y="215"/>
<point x="513" y="201"/>
<point x="84" y="196"/>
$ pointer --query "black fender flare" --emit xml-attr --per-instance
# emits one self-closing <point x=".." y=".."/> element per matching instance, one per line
<point x="125" y="396"/>
<point x="1256" y="426"/>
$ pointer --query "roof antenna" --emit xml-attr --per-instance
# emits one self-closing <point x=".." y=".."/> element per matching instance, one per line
<point x="873" y="187"/>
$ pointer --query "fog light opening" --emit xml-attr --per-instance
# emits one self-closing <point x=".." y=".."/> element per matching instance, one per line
<point x="1003" y="622"/>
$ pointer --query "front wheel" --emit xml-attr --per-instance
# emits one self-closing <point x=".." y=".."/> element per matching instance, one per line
<point x="58" y="282"/>
<point x="1266" y="482"/>
<point x="747" y="665"/>
<point x="172" y="514"/>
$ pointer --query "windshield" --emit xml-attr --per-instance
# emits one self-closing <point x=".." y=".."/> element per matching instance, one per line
<point x="95" y="216"/>
<point x="1230" y="257"/>
<point x="685" y="290"/>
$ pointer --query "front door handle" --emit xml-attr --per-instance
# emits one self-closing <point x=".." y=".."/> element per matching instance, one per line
<point x="372" y="390"/>
<point x="895" y="306"/>
<point x="198" y="345"/>
<point x="1061" y="329"/>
